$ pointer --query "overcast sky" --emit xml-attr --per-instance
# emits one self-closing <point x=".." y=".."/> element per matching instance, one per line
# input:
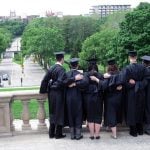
<point x="73" y="7"/>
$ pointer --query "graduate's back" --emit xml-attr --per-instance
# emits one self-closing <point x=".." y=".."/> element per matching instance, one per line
<point x="135" y="71"/>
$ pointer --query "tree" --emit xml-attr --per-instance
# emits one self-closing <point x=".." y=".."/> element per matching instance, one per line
<point x="135" y="32"/>
<point x="5" y="39"/>
<point x="42" y="39"/>
<point x="76" y="30"/>
<point x="101" y="45"/>
<point x="104" y="44"/>
<point x="15" y="27"/>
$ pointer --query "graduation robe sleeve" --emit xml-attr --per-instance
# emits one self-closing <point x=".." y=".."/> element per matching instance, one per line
<point x="61" y="77"/>
<point x="82" y="83"/>
<point x="45" y="81"/>
<point x="69" y="79"/>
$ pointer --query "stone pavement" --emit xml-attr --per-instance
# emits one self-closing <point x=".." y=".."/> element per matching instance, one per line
<point x="40" y="141"/>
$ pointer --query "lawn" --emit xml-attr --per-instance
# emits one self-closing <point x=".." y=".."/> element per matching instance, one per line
<point x="33" y="108"/>
<point x="18" y="89"/>
<point x="17" y="104"/>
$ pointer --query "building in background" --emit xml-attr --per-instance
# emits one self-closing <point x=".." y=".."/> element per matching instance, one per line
<point x="13" y="16"/>
<point x="50" y="13"/>
<point x="105" y="10"/>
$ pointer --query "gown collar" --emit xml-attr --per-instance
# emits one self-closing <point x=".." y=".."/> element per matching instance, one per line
<point x="58" y="63"/>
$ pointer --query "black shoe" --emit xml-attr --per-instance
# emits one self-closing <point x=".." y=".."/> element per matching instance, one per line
<point x="80" y="137"/>
<point x="52" y="131"/>
<point x="91" y="137"/>
<point x="133" y="134"/>
<point x="140" y="132"/>
<point x="97" y="137"/>
<point x="133" y="131"/>
<point x="140" y="128"/>
<point x="73" y="138"/>
<point x="60" y="136"/>
<point x="147" y="132"/>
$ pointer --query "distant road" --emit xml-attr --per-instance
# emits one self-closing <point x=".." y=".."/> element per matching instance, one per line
<point x="12" y="69"/>
<point x="33" y="72"/>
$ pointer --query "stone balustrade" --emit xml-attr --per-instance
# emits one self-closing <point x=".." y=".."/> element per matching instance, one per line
<point x="6" y="116"/>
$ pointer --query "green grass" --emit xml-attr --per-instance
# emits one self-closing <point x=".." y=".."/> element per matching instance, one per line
<point x="17" y="108"/>
<point x="17" y="62"/>
<point x="18" y="89"/>
<point x="18" y="58"/>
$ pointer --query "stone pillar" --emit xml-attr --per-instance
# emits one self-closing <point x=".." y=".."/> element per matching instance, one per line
<point x="5" y="115"/>
<point x="41" y="115"/>
<point x="25" y="115"/>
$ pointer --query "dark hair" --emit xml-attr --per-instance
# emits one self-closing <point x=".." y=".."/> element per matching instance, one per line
<point x="73" y="66"/>
<point x="58" y="58"/>
<point x="93" y="67"/>
<point x="112" y="69"/>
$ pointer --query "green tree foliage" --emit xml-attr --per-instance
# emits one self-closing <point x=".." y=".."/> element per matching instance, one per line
<point x="77" y="29"/>
<point x="104" y="44"/>
<point x="5" y="39"/>
<point x="135" y="31"/>
<point x="16" y="27"/>
<point x="8" y="30"/>
<point x="101" y="45"/>
<point x="42" y="37"/>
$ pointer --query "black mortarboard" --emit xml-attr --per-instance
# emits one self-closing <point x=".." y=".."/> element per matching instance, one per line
<point x="132" y="53"/>
<point x="111" y="61"/>
<point x="146" y="59"/>
<point x="74" y="61"/>
<point x="92" y="60"/>
<point x="59" y="54"/>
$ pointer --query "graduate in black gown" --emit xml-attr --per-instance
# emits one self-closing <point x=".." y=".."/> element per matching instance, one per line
<point x="113" y="88"/>
<point x="75" y="82"/>
<point x="135" y="83"/>
<point x="52" y="84"/>
<point x="146" y="62"/>
<point x="93" y="97"/>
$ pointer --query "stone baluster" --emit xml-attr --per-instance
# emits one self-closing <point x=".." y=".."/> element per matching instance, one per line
<point x="5" y="114"/>
<point x="41" y="115"/>
<point x="25" y="115"/>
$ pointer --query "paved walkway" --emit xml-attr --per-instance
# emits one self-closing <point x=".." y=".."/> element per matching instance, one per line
<point x="40" y="141"/>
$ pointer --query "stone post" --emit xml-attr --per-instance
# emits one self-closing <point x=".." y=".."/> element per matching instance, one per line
<point x="41" y="115"/>
<point x="25" y="115"/>
<point x="5" y="114"/>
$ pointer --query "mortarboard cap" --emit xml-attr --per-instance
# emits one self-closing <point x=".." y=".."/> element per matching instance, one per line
<point x="59" y="54"/>
<point x="74" y="61"/>
<point x="132" y="53"/>
<point x="146" y="59"/>
<point x="92" y="60"/>
<point x="111" y="61"/>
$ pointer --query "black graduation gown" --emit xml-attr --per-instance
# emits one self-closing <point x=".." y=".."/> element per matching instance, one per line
<point x="93" y="97"/>
<point x="147" y="103"/>
<point x="113" y="100"/>
<point x="74" y="99"/>
<point x="135" y="94"/>
<point x="52" y="84"/>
